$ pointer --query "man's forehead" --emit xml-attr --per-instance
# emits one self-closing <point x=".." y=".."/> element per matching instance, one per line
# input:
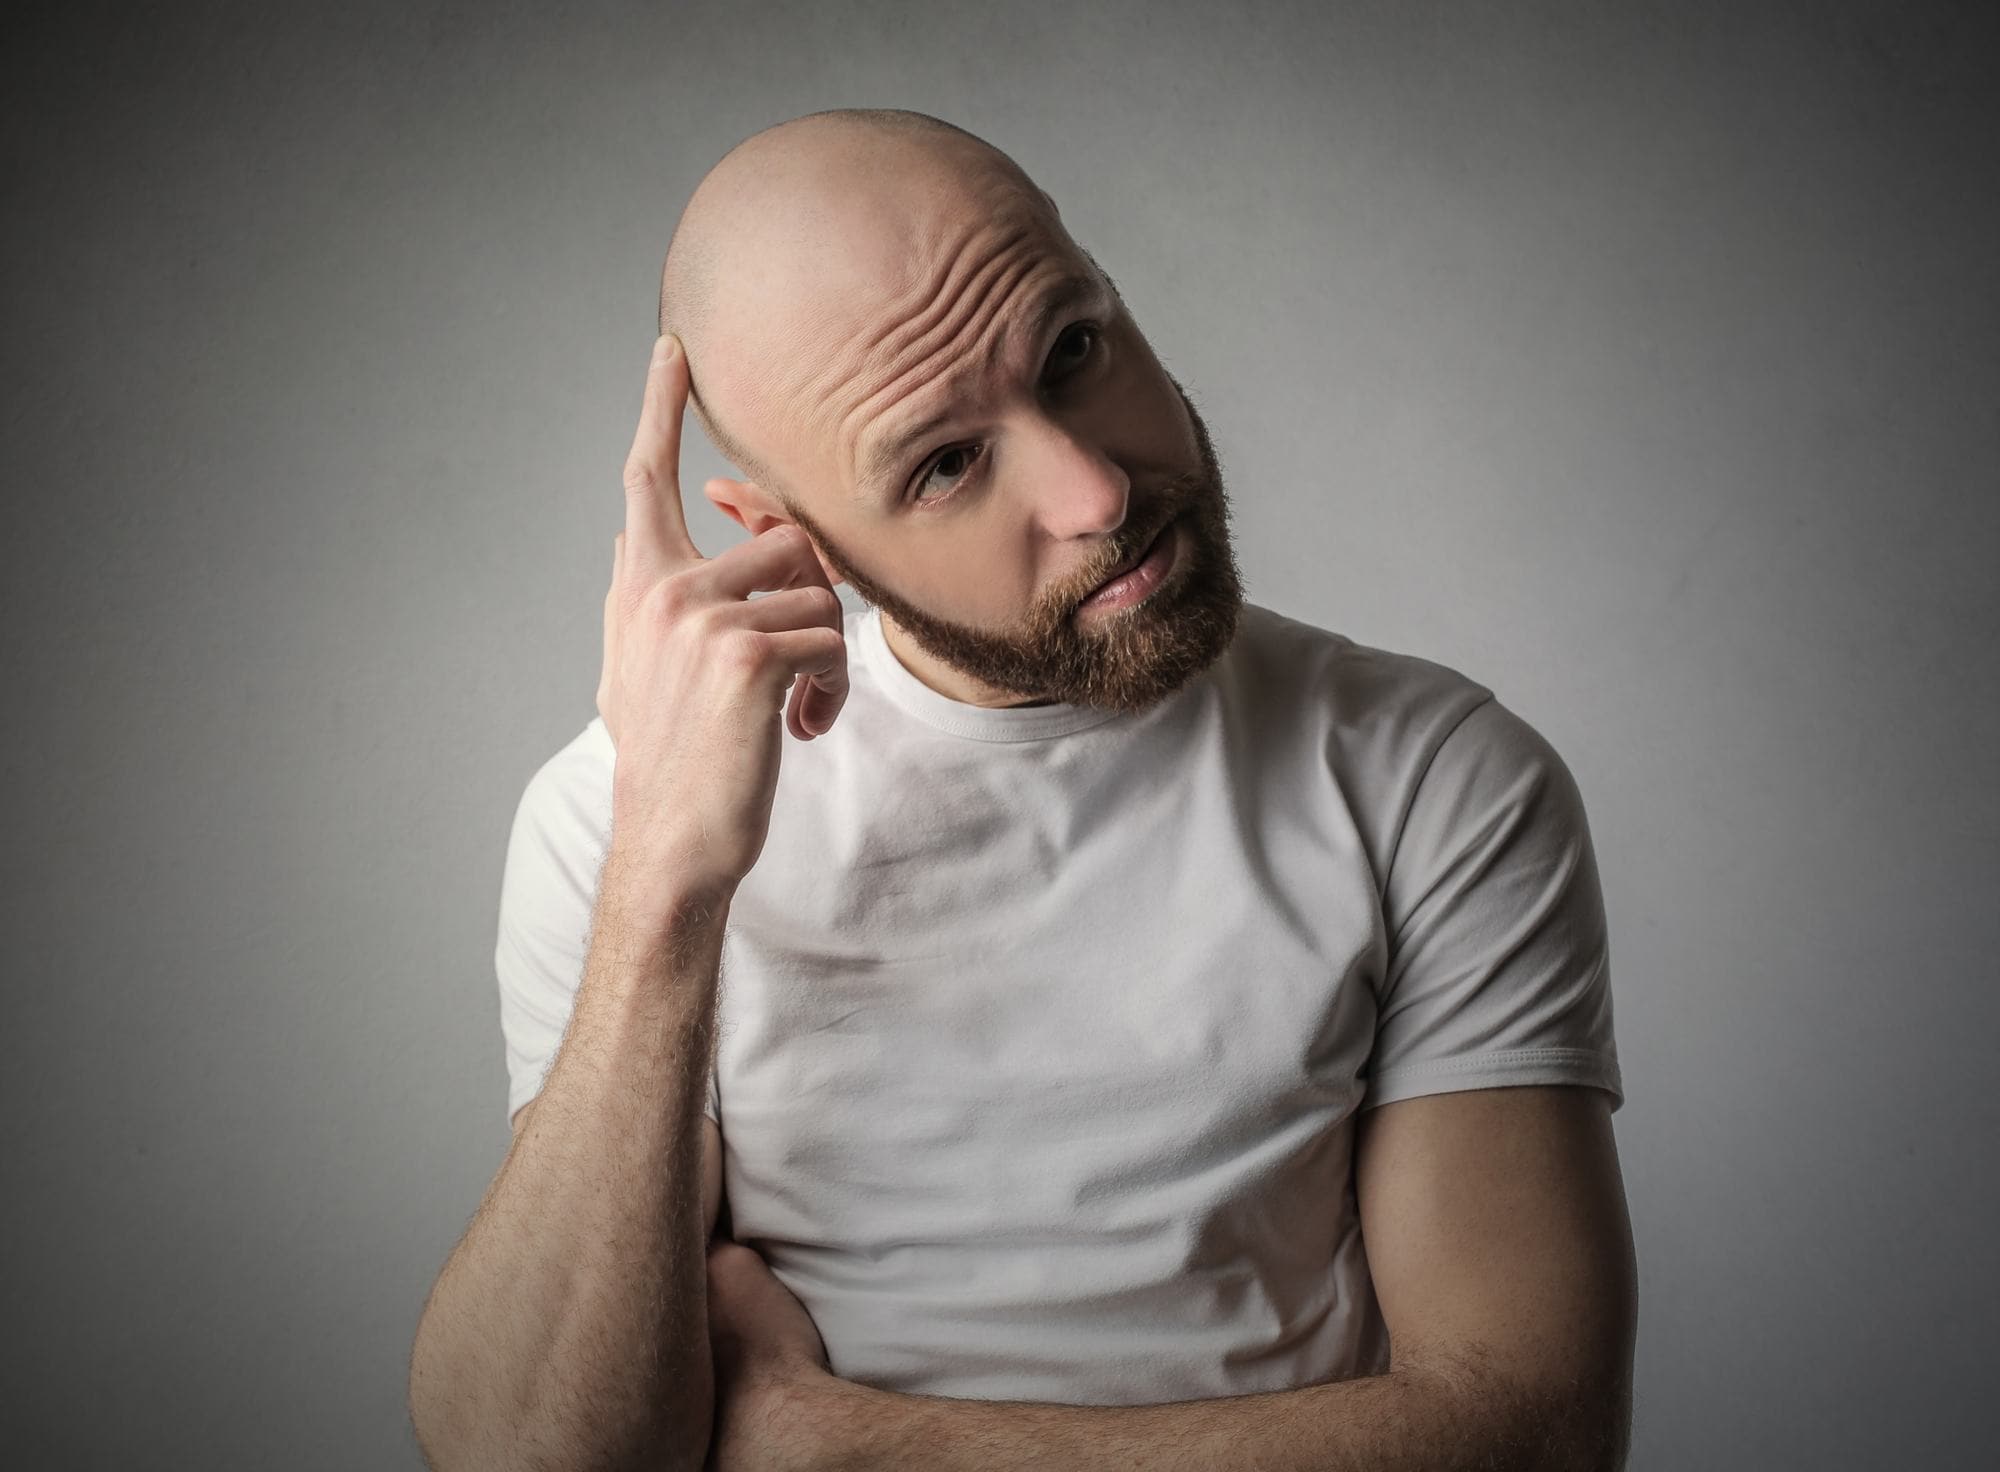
<point x="888" y="442"/>
<point x="826" y="331"/>
<point x="865" y="269"/>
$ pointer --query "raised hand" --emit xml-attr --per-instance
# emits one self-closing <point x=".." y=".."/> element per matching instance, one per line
<point x="696" y="671"/>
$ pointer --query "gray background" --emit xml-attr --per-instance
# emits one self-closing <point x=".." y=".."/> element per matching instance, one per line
<point x="1641" y="361"/>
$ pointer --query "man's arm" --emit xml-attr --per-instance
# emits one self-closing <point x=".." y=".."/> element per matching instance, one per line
<point x="569" y="1325"/>
<point x="1501" y="1252"/>
<point x="569" y="1328"/>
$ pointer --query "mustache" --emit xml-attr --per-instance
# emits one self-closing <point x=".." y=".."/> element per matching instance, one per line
<point x="1164" y="505"/>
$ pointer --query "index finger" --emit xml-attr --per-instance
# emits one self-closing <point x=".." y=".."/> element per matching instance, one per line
<point x="656" y="534"/>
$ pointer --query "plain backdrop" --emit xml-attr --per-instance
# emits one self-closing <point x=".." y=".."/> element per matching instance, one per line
<point x="1639" y="360"/>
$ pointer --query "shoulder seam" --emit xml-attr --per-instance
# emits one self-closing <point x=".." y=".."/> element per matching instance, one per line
<point x="1403" y="820"/>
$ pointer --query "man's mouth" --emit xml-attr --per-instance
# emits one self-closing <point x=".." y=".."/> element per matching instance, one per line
<point x="1136" y="578"/>
<point x="1128" y="564"/>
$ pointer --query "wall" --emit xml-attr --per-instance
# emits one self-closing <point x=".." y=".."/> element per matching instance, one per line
<point x="1639" y="360"/>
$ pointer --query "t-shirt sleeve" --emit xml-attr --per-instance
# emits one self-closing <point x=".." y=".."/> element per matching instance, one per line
<point x="548" y="891"/>
<point x="1498" y="964"/>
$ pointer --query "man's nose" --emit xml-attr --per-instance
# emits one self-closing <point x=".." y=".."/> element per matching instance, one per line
<point x="1079" y="490"/>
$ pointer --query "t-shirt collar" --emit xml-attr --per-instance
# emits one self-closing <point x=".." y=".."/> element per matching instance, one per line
<point x="957" y="717"/>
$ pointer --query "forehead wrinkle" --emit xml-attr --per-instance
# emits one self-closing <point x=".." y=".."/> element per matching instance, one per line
<point x="1066" y="293"/>
<point x="942" y="293"/>
<point x="980" y="306"/>
<point x="984" y="311"/>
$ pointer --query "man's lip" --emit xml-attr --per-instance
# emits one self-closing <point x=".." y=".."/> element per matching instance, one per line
<point x="1137" y="558"/>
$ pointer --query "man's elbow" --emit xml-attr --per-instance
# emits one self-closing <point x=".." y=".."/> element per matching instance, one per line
<point x="1606" y="1441"/>
<point x="1584" y="1428"/>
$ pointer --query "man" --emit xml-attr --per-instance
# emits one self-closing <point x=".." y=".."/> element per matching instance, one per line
<point x="1139" y="1029"/>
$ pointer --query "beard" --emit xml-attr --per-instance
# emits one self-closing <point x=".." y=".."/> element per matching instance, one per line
<point x="1129" y="658"/>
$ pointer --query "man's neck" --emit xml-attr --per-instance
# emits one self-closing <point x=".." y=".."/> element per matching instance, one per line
<point x="943" y="678"/>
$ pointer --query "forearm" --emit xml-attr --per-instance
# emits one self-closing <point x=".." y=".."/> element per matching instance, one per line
<point x="569" y="1326"/>
<point x="1404" y="1421"/>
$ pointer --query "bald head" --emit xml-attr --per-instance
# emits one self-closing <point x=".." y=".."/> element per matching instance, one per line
<point x="798" y="220"/>
<point x="892" y="335"/>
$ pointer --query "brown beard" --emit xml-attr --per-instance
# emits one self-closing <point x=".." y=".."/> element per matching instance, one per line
<point x="1133" y="657"/>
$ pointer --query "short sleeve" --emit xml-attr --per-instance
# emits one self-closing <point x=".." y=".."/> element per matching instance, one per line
<point x="548" y="891"/>
<point x="1498" y="966"/>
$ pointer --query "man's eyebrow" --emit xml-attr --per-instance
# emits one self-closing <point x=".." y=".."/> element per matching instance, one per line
<point x="883" y="462"/>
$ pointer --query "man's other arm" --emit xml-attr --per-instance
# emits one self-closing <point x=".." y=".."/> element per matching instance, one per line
<point x="1501" y="1251"/>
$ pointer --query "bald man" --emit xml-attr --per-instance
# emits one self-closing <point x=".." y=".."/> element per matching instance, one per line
<point x="1061" y="1015"/>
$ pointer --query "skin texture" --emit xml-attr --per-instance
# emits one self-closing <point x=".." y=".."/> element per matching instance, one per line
<point x="833" y="282"/>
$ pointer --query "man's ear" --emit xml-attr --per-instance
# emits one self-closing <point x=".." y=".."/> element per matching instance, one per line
<point x="746" y="504"/>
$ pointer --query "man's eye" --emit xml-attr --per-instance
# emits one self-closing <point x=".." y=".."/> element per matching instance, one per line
<point x="952" y="465"/>
<point x="1073" y="348"/>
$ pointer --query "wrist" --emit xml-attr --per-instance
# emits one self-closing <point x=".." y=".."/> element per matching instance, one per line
<point x="661" y="901"/>
<point x="833" y="1417"/>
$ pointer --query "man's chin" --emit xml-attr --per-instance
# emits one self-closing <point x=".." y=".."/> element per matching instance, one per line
<point x="1123" y="658"/>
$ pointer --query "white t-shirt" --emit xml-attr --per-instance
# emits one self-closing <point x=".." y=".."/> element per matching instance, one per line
<point x="1043" y="1029"/>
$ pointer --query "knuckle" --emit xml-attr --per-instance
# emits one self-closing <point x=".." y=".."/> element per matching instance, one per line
<point x="677" y="596"/>
<point x="655" y="605"/>
<point x="745" y="651"/>
<point x="702" y="624"/>
<point x="640" y="478"/>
